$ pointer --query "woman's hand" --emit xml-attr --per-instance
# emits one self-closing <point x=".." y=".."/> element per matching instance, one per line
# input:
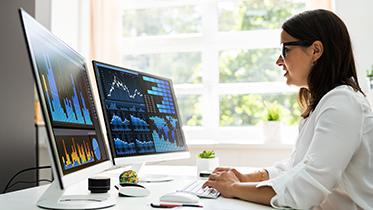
<point x="223" y="181"/>
<point x="257" y="176"/>
<point x="228" y="184"/>
<point x="240" y="176"/>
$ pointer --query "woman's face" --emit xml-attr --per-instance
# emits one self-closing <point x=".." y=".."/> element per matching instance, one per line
<point x="296" y="61"/>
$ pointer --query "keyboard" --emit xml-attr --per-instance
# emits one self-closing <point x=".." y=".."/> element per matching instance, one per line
<point x="196" y="188"/>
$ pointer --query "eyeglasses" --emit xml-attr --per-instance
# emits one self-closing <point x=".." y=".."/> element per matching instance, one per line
<point x="303" y="43"/>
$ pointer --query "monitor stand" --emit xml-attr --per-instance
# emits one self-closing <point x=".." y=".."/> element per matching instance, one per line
<point x="149" y="177"/>
<point x="53" y="198"/>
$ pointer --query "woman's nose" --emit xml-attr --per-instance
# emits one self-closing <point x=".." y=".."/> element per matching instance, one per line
<point x="280" y="61"/>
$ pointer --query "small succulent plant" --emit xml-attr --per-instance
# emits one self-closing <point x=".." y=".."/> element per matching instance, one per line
<point x="207" y="154"/>
<point x="273" y="111"/>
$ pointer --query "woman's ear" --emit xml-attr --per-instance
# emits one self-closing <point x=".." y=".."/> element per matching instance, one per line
<point x="318" y="49"/>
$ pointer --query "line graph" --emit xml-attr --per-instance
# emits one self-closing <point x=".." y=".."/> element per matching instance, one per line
<point x="139" y="124"/>
<point x="124" y="106"/>
<point x="119" y="124"/>
<point x="120" y="85"/>
<point x="140" y="112"/>
<point x="145" y="146"/>
<point x="124" y="147"/>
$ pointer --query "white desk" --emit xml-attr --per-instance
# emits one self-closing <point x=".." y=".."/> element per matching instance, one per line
<point x="26" y="199"/>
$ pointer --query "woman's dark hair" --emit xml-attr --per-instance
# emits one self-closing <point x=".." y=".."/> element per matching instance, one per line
<point x="336" y="66"/>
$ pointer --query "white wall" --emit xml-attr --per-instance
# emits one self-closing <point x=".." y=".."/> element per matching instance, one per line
<point x="239" y="154"/>
<point x="69" y="21"/>
<point x="65" y="21"/>
<point x="358" y="17"/>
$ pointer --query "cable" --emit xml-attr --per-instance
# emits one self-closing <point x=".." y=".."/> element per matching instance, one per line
<point x="28" y="182"/>
<point x="24" y="170"/>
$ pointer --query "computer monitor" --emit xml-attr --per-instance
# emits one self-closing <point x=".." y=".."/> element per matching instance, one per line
<point x="141" y="116"/>
<point x="76" y="142"/>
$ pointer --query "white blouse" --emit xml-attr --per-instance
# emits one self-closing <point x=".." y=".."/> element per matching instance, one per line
<point x="332" y="164"/>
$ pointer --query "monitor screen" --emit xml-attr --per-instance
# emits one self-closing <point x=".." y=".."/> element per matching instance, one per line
<point x="140" y="112"/>
<point x="66" y="98"/>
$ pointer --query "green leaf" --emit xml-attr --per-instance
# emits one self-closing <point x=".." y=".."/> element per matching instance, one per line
<point x="207" y="154"/>
<point x="273" y="111"/>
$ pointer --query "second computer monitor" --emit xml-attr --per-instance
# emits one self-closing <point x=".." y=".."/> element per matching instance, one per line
<point x="141" y="115"/>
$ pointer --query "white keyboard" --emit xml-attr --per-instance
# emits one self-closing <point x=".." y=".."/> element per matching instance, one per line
<point x="196" y="188"/>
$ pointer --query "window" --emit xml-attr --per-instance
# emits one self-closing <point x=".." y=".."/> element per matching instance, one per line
<point x="220" y="55"/>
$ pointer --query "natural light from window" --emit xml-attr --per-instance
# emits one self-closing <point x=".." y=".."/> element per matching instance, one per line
<point x="220" y="55"/>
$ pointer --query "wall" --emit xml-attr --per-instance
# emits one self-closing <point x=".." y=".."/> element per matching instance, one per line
<point x="238" y="154"/>
<point x="17" y="132"/>
<point x="358" y="17"/>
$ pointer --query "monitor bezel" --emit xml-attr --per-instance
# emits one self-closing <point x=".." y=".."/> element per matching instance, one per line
<point x="135" y="159"/>
<point x="76" y="176"/>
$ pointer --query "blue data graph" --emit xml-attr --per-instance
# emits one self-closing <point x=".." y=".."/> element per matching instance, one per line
<point x="139" y="124"/>
<point x="124" y="106"/>
<point x="160" y="89"/>
<point x="145" y="146"/>
<point x="66" y="105"/>
<point x="119" y="124"/>
<point x="172" y="120"/>
<point x="123" y="147"/>
<point x="96" y="149"/>
<point x="140" y="111"/>
<point x="165" y="134"/>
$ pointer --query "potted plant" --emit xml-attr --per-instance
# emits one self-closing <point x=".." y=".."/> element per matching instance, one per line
<point x="207" y="161"/>
<point x="272" y="123"/>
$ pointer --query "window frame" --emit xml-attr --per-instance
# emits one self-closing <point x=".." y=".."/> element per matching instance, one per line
<point x="210" y="42"/>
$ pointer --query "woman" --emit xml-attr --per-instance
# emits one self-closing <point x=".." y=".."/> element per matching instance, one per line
<point x="332" y="164"/>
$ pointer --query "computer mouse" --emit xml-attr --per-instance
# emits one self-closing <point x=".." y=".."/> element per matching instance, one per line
<point x="132" y="190"/>
<point x="179" y="197"/>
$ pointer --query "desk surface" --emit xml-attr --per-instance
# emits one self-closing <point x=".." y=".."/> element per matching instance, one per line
<point x="26" y="199"/>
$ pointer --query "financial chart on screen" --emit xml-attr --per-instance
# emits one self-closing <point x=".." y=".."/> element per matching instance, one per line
<point x="140" y="111"/>
<point x="64" y="94"/>
<point x="69" y="103"/>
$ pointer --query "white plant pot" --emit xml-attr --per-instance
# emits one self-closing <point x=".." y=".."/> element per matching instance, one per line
<point x="272" y="131"/>
<point x="207" y="164"/>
